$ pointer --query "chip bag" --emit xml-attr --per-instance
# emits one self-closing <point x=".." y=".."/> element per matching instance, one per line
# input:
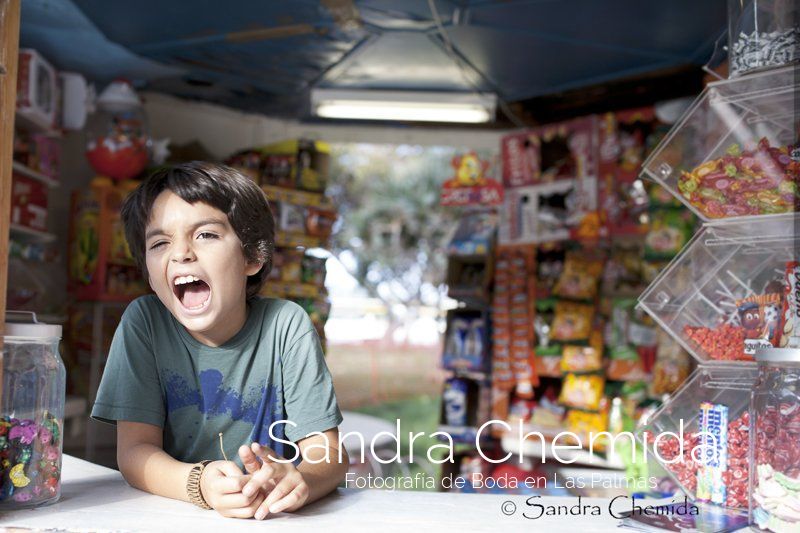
<point x="579" y="279"/>
<point x="582" y="391"/>
<point x="572" y="322"/>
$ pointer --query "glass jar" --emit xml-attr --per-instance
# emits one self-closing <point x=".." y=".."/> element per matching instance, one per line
<point x="762" y="34"/>
<point x="31" y="413"/>
<point x="775" y="441"/>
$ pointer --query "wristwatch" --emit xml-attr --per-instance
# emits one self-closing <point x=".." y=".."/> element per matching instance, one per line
<point x="193" y="485"/>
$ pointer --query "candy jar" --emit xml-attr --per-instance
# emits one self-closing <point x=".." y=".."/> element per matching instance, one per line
<point x="117" y="143"/>
<point x="762" y="34"/>
<point x="775" y="441"/>
<point x="31" y="413"/>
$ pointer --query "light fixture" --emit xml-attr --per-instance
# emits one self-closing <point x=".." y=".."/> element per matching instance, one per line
<point x="409" y="106"/>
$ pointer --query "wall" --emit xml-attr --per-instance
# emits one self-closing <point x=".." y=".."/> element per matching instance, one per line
<point x="223" y="131"/>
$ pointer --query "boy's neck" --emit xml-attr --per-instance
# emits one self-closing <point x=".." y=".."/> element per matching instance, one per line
<point x="232" y="324"/>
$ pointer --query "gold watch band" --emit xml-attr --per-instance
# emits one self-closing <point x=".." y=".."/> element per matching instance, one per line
<point x="193" y="485"/>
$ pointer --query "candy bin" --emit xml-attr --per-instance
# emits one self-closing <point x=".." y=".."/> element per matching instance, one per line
<point x="734" y="153"/>
<point x="775" y="441"/>
<point x="762" y="34"/>
<point x="700" y="436"/>
<point x="31" y="413"/>
<point x="726" y="294"/>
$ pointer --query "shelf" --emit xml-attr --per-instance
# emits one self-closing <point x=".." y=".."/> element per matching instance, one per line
<point x="297" y="197"/>
<point x="280" y="289"/>
<point x="38" y="176"/>
<point x="32" y="125"/>
<point x="31" y="234"/>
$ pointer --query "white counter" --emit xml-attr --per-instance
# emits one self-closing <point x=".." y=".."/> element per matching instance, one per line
<point x="97" y="498"/>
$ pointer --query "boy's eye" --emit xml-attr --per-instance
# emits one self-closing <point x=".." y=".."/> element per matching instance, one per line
<point x="157" y="245"/>
<point x="206" y="235"/>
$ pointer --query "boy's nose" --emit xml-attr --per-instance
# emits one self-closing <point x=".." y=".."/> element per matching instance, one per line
<point x="183" y="254"/>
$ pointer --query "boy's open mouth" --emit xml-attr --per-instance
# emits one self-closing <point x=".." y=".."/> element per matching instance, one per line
<point x="192" y="292"/>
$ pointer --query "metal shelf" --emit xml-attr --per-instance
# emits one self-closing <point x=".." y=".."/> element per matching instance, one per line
<point x="38" y="176"/>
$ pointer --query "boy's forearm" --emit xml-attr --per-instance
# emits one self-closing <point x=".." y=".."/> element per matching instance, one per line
<point x="150" y="468"/>
<point x="322" y="478"/>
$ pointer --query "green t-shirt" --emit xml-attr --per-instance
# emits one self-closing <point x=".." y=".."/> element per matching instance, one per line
<point x="273" y="369"/>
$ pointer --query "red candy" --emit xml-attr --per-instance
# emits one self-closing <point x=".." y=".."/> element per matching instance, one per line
<point x="723" y="343"/>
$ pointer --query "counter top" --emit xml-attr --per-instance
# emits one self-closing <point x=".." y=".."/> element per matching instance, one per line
<point x="98" y="498"/>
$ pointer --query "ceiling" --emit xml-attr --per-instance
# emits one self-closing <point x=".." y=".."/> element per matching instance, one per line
<point x="265" y="56"/>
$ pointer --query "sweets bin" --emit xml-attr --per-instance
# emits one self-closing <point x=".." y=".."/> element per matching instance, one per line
<point x="734" y="152"/>
<point x="762" y="34"/>
<point x="31" y="413"/>
<point x="718" y="385"/>
<point x="722" y="297"/>
<point x="775" y="441"/>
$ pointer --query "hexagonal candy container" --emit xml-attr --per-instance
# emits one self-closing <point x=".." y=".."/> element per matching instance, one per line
<point x="723" y="296"/>
<point x="735" y="150"/>
<point x="721" y="395"/>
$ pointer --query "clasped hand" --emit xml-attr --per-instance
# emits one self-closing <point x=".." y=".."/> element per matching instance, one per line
<point x="267" y="487"/>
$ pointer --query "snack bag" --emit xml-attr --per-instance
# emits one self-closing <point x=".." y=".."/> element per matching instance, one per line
<point x="582" y="391"/>
<point x="624" y="364"/>
<point x="572" y="322"/>
<point x="585" y="424"/>
<point x="584" y="358"/>
<point x="671" y="368"/>
<point x="548" y="353"/>
<point x="759" y="317"/>
<point x="670" y="230"/>
<point x="790" y="331"/>
<point x="579" y="279"/>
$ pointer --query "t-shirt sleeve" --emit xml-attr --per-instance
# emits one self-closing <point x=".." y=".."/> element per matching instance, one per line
<point x="130" y="389"/>
<point x="308" y="395"/>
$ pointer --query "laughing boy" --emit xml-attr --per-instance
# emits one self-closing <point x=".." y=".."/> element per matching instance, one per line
<point x="206" y="356"/>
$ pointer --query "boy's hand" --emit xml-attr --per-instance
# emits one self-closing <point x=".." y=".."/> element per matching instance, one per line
<point x="284" y="486"/>
<point x="221" y="485"/>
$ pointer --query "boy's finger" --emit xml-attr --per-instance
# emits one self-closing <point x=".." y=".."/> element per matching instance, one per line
<point x="249" y="459"/>
<point x="287" y="494"/>
<point x="260" y="479"/>
<point x="265" y="452"/>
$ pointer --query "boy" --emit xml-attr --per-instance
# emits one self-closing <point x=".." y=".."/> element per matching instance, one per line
<point x="205" y="365"/>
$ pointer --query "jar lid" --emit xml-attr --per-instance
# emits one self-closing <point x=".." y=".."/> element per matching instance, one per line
<point x="25" y="324"/>
<point x="778" y="355"/>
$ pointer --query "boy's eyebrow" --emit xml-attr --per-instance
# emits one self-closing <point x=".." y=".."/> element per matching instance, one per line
<point x="206" y="221"/>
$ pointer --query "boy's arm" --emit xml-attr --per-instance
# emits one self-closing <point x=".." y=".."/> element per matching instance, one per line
<point x="146" y="466"/>
<point x="322" y="477"/>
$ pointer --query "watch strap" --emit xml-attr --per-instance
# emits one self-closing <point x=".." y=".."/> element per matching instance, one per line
<point x="193" y="485"/>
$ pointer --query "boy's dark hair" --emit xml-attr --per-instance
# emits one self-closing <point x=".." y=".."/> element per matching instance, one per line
<point x="218" y="186"/>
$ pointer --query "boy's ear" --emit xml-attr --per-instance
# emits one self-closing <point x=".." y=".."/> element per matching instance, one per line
<point x="251" y="269"/>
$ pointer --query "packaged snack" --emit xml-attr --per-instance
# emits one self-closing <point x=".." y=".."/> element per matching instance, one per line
<point x="671" y="368"/>
<point x="711" y="486"/>
<point x="582" y="391"/>
<point x="790" y="331"/>
<point x="548" y="413"/>
<point x="624" y="364"/>
<point x="756" y="181"/>
<point x="455" y="402"/>
<point x="579" y="279"/>
<point x="548" y="353"/>
<point x="549" y="266"/>
<point x="670" y="230"/>
<point x="584" y="358"/>
<point x="585" y="424"/>
<point x="572" y="322"/>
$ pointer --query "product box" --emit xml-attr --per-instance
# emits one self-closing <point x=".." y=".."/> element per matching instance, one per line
<point x="303" y="164"/>
<point x="37" y="89"/>
<point x="28" y="202"/>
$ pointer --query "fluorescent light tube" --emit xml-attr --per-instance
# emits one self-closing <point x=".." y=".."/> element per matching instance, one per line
<point x="411" y="106"/>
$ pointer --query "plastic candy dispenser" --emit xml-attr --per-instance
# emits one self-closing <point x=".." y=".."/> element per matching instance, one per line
<point x="775" y="441"/>
<point x="117" y="142"/>
<point x="31" y="413"/>
<point x="762" y="34"/>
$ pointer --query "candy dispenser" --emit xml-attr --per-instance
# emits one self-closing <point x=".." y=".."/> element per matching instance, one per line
<point x="723" y="296"/>
<point x="775" y="441"/>
<point x="31" y="413"/>
<point x="735" y="151"/>
<point x="714" y="400"/>
<point x="762" y="34"/>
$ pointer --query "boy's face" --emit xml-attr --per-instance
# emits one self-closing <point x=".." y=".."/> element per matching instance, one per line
<point x="197" y="268"/>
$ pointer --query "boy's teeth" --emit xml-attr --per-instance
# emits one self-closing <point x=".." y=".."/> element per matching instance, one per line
<point x="180" y="280"/>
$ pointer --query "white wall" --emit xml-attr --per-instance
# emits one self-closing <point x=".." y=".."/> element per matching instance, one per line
<point x="223" y="131"/>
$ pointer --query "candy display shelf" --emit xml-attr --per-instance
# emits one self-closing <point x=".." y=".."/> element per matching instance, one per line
<point x="38" y="176"/>
<point x="734" y="152"/>
<point x="29" y="234"/>
<point x="721" y="298"/>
